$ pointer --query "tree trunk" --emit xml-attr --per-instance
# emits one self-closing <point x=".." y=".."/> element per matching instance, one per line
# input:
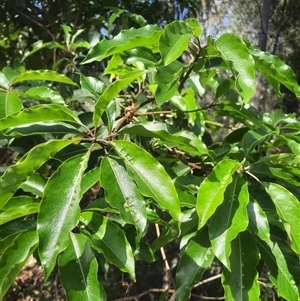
<point x="265" y="15"/>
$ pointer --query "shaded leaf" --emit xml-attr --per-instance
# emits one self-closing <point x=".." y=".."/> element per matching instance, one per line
<point x="167" y="78"/>
<point x="283" y="265"/>
<point x="17" y="174"/>
<point x="124" y="194"/>
<point x="14" y="258"/>
<point x="112" y="91"/>
<point x="275" y="70"/>
<point x="211" y="191"/>
<point x="59" y="210"/>
<point x="78" y="268"/>
<point x="150" y="176"/>
<point x="241" y="282"/>
<point x="196" y="259"/>
<point x="184" y="140"/>
<point x="108" y="238"/>
<point x="288" y="208"/>
<point x="92" y="84"/>
<point x="284" y="159"/>
<point x="229" y="219"/>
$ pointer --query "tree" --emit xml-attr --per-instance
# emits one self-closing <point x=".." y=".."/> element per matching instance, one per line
<point x="141" y="135"/>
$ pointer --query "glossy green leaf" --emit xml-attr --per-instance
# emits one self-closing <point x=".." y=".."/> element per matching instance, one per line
<point x="241" y="282"/>
<point x="89" y="179"/>
<point x="288" y="208"/>
<point x="78" y="269"/>
<point x="14" y="258"/>
<point x="45" y="94"/>
<point x="258" y="221"/>
<point x="42" y="128"/>
<point x="211" y="191"/>
<point x="39" y="113"/>
<point x="229" y="219"/>
<point x="150" y="176"/>
<point x="18" y="207"/>
<point x="109" y="239"/>
<point x="124" y="194"/>
<point x="7" y="241"/>
<point x="59" y="210"/>
<point x="235" y="52"/>
<point x="275" y="70"/>
<point x="293" y="144"/>
<point x="9" y="103"/>
<point x="127" y="39"/>
<point x="283" y="265"/>
<point x="174" y="41"/>
<point x="92" y="84"/>
<point x="196" y="259"/>
<point x="47" y="75"/>
<point x="17" y="174"/>
<point x="184" y="140"/>
<point x="112" y="91"/>
<point x="167" y="78"/>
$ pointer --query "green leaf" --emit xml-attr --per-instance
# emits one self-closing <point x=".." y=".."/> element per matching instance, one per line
<point x="253" y="138"/>
<point x="14" y="258"/>
<point x="17" y="174"/>
<point x="167" y="79"/>
<point x="150" y="176"/>
<point x="112" y="91"/>
<point x="284" y="159"/>
<point x="9" y="103"/>
<point x="211" y="191"/>
<point x="196" y="259"/>
<point x="170" y="233"/>
<point x="39" y="113"/>
<point x="195" y="26"/>
<point x="174" y="41"/>
<point x="258" y="221"/>
<point x="274" y="172"/>
<point x="89" y="179"/>
<point x="123" y="194"/>
<point x="241" y="282"/>
<point x="229" y="219"/>
<point x="92" y="84"/>
<point x="275" y="70"/>
<point x="283" y="265"/>
<point x="42" y="128"/>
<point x="127" y="39"/>
<point x="184" y="140"/>
<point x="23" y="206"/>
<point x="288" y="208"/>
<point x="59" y="210"/>
<point x="78" y="269"/>
<point x="108" y="238"/>
<point x="141" y="54"/>
<point x="4" y="82"/>
<point x="235" y="52"/>
<point x="43" y="75"/>
<point x="45" y="94"/>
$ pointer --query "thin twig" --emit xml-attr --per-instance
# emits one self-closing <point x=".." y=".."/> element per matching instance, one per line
<point x="208" y="280"/>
